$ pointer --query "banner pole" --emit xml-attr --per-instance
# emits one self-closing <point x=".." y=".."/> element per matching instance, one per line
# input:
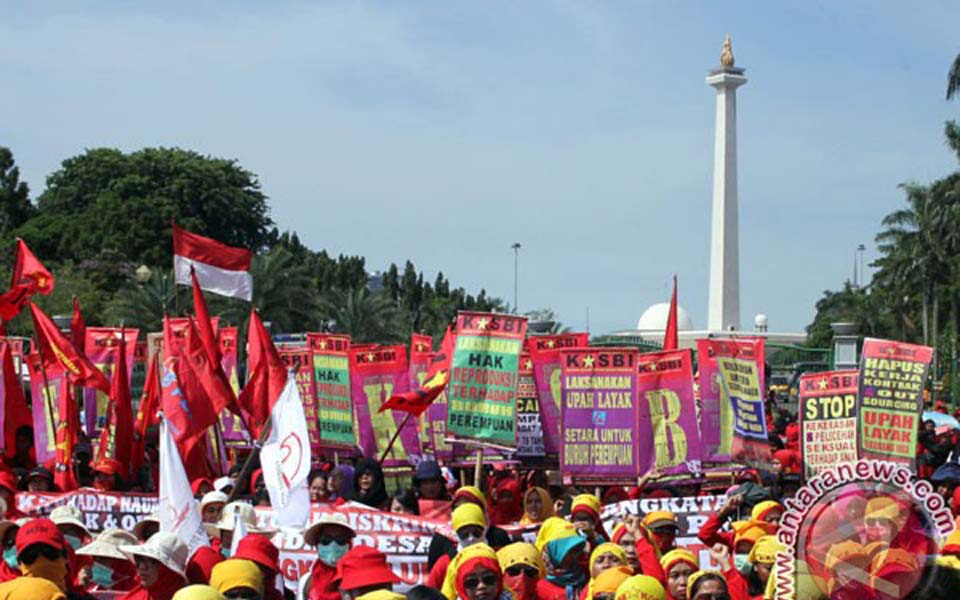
<point x="393" y="440"/>
<point x="478" y="468"/>
<point x="248" y="465"/>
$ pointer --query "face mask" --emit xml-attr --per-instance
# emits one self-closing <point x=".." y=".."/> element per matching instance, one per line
<point x="225" y="551"/>
<point x="740" y="561"/>
<point x="51" y="570"/>
<point x="524" y="587"/>
<point x="330" y="554"/>
<point x="469" y="540"/>
<point x="102" y="575"/>
<point x="74" y="541"/>
<point x="10" y="557"/>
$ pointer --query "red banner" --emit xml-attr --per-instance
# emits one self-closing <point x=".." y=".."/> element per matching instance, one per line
<point x="376" y="372"/>
<point x="669" y="438"/>
<point x="300" y="361"/>
<point x="545" y="353"/>
<point x="100" y="347"/>
<point x="421" y="353"/>
<point x="50" y="385"/>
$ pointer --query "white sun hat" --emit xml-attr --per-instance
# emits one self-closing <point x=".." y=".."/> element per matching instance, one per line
<point x="69" y="515"/>
<point x="107" y="544"/>
<point x="212" y="498"/>
<point x="332" y="519"/>
<point x="229" y="516"/>
<point x="152" y="518"/>
<point x="164" y="547"/>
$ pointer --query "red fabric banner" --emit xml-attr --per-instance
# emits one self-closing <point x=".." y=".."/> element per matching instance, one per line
<point x="99" y="345"/>
<point x="376" y="373"/>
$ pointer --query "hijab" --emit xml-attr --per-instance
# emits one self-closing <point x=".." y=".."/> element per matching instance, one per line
<point x="503" y="511"/>
<point x="523" y="554"/>
<point x="346" y="488"/>
<point x="166" y="585"/>
<point x="606" y="548"/>
<point x="468" y="561"/>
<point x="376" y="496"/>
<point x="546" y="506"/>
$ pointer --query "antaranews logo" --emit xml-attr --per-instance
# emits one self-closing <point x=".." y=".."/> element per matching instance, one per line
<point x="865" y="529"/>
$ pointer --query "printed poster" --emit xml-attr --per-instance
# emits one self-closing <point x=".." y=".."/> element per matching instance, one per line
<point x="545" y="353"/>
<point x="300" y="362"/>
<point x="828" y="420"/>
<point x="741" y="366"/>
<point x="890" y="399"/>
<point x="482" y="393"/>
<point x="529" y="428"/>
<point x="331" y="380"/>
<point x="669" y="437"/>
<point x="100" y="346"/>
<point x="48" y="386"/>
<point x="600" y="415"/>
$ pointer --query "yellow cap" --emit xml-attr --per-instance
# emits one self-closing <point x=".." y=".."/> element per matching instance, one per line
<point x="610" y="580"/>
<point x="765" y="550"/>
<point x="470" y="493"/>
<point x="587" y="502"/>
<point x="659" y="518"/>
<point x="749" y="531"/>
<point x="382" y="595"/>
<point x="762" y="509"/>
<point x="468" y="514"/>
<point x="236" y="573"/>
<point x="678" y="555"/>
<point x="882" y="507"/>
<point x="552" y="529"/>
<point x="641" y="587"/>
<point x="608" y="548"/>
<point x="521" y="553"/>
<point x="198" y="592"/>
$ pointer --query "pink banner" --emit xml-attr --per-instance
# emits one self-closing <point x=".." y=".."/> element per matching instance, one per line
<point x="545" y="353"/>
<point x="46" y="389"/>
<point x="231" y="427"/>
<point x="100" y="347"/>
<point x="669" y="438"/>
<point x="300" y="361"/>
<point x="377" y="372"/>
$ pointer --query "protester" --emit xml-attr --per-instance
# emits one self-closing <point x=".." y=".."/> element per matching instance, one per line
<point x="643" y="548"/>
<point x="428" y="481"/>
<point x="211" y="505"/>
<point x="40" y="479"/>
<point x="147" y="527"/>
<point x="641" y="587"/>
<point x="562" y="547"/>
<point x="605" y="585"/>
<point x="41" y="553"/>
<point x="106" y="475"/>
<point x="340" y="484"/>
<point x="258" y="549"/>
<point x="678" y="565"/>
<point x="604" y="557"/>
<point x="475" y="575"/>
<point x="198" y="592"/>
<point x="201" y="564"/>
<point x="523" y="569"/>
<point x="505" y="500"/>
<point x="238" y="579"/>
<point x="69" y="519"/>
<point x="707" y="585"/>
<point x="221" y="532"/>
<point x="369" y="487"/>
<point x="160" y="567"/>
<point x="8" y="495"/>
<point x="23" y="457"/>
<point x="537" y="506"/>
<point x="111" y="569"/>
<point x="662" y="525"/>
<point x="317" y="484"/>
<point x="585" y="515"/>
<point x="470" y="526"/>
<point x="330" y="536"/>
<point x="363" y="570"/>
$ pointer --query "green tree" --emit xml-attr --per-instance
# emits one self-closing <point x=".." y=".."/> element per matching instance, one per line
<point x="365" y="316"/>
<point x="15" y="206"/>
<point x="112" y="211"/>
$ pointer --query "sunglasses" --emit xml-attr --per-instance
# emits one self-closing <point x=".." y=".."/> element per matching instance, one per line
<point x="518" y="569"/>
<point x="241" y="594"/>
<point x="472" y="582"/>
<point x="32" y="553"/>
<point x="343" y="540"/>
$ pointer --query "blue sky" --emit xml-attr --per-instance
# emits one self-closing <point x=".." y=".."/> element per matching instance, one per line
<point x="443" y="132"/>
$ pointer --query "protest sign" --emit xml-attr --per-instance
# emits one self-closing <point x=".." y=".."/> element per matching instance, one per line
<point x="421" y="355"/>
<point x="101" y="510"/>
<point x="331" y="377"/>
<point x="47" y="389"/>
<point x="299" y="362"/>
<point x="545" y="353"/>
<point x="741" y="366"/>
<point x="828" y="420"/>
<point x="668" y="437"/>
<point x="890" y="399"/>
<point x="529" y="429"/>
<point x="231" y="427"/>
<point x="100" y="345"/>
<point x="716" y="415"/>
<point x="376" y="372"/>
<point x="600" y="415"/>
<point x="482" y="393"/>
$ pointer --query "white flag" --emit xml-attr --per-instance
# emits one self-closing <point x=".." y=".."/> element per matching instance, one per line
<point x="179" y="510"/>
<point x="285" y="459"/>
<point x="239" y="532"/>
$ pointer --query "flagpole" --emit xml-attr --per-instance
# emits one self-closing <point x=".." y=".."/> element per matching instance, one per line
<point x="248" y="464"/>
<point x="393" y="440"/>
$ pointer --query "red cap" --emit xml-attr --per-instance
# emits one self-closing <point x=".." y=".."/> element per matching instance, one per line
<point x="201" y="564"/>
<point x="258" y="548"/>
<point x="109" y="466"/>
<point x="362" y="567"/>
<point x="8" y="480"/>
<point x="39" y="531"/>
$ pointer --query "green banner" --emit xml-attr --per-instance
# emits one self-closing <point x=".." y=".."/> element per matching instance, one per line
<point x="331" y="374"/>
<point x="482" y="393"/>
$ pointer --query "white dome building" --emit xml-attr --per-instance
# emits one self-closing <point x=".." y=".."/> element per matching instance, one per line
<point x="654" y="319"/>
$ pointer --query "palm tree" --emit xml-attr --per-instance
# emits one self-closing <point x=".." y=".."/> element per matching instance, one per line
<point x="367" y="317"/>
<point x="143" y="305"/>
<point x="953" y="79"/>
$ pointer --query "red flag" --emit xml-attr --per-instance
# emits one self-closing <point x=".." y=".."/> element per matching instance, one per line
<point x="78" y="328"/>
<point x="202" y="394"/>
<point x="56" y="348"/>
<point x="66" y="439"/>
<point x="146" y="415"/>
<point x="268" y="376"/>
<point x="670" y="334"/>
<point x="418" y="400"/>
<point x="207" y="337"/>
<point x="116" y="438"/>
<point x="29" y="277"/>
<point x="16" y="414"/>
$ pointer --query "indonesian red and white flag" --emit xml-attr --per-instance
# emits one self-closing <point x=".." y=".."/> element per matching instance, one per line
<point x="221" y="269"/>
<point x="285" y="458"/>
<point x="179" y="510"/>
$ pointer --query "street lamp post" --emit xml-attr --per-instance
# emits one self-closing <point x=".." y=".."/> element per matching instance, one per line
<point x="516" y="261"/>
<point x="860" y="250"/>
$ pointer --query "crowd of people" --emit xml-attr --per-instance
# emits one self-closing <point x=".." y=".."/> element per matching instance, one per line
<point x="520" y="534"/>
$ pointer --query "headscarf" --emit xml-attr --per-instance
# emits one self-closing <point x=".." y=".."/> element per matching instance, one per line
<point x="691" y="583"/>
<point x="749" y="531"/>
<point x="34" y="588"/>
<point x="641" y="587"/>
<point x="590" y="504"/>
<point x="501" y="511"/>
<point x="346" y="487"/>
<point x="678" y="555"/>
<point x="557" y="550"/>
<point x="765" y="550"/>
<point x="546" y="506"/>
<point x="521" y="553"/>
<point x="376" y="496"/>
<point x="166" y="585"/>
<point x="236" y="573"/>
<point x="201" y="564"/>
<point x="609" y="581"/>
<point x="607" y="548"/>
<point x="464" y="563"/>
<point x="471" y="494"/>
<point x="554" y="528"/>
<point x="198" y="592"/>
<point x="763" y="509"/>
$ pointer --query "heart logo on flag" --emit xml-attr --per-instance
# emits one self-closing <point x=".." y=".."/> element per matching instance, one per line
<point x="291" y="451"/>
